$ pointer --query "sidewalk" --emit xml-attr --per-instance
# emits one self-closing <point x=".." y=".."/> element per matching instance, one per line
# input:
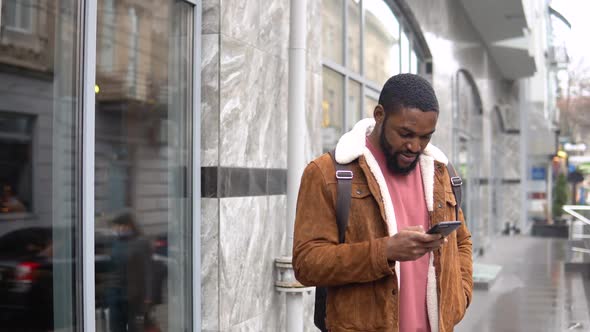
<point x="532" y="292"/>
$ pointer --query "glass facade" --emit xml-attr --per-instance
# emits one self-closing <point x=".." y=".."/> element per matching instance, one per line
<point x="333" y="30"/>
<point x="353" y="35"/>
<point x="332" y="105"/>
<point x="377" y="46"/>
<point x="40" y="225"/>
<point x="143" y="129"/>
<point x="142" y="153"/>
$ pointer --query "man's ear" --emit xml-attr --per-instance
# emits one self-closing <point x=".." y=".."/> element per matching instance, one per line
<point x="379" y="114"/>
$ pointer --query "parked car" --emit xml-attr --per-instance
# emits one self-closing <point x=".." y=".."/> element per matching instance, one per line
<point x="28" y="267"/>
<point x="23" y="277"/>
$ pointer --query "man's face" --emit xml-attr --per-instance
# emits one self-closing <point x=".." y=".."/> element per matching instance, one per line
<point x="404" y="136"/>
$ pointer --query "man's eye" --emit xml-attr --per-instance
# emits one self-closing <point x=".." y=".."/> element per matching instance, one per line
<point x="406" y="135"/>
<point x="427" y="137"/>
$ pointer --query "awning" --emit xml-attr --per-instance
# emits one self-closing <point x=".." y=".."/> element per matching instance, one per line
<point x="503" y="27"/>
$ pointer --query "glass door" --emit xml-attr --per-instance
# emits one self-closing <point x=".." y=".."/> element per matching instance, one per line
<point x="143" y="165"/>
<point x="40" y="136"/>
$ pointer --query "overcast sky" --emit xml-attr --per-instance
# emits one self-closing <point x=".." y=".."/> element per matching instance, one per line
<point x="577" y="12"/>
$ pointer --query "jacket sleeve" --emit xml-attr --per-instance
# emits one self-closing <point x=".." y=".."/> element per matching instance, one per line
<point x="465" y="258"/>
<point x="318" y="257"/>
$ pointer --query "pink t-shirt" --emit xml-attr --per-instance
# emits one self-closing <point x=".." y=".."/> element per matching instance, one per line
<point x="409" y="204"/>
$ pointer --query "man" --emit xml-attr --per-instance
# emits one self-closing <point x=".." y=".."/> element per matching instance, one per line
<point x="389" y="275"/>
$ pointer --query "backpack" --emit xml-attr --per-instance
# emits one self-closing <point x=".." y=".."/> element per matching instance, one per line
<point x="344" y="177"/>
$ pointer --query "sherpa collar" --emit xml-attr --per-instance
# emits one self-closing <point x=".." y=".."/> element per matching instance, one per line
<point x="352" y="144"/>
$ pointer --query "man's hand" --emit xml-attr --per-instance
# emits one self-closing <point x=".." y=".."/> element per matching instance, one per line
<point x="412" y="243"/>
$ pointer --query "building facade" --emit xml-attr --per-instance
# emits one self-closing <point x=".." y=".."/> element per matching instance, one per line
<point x="151" y="138"/>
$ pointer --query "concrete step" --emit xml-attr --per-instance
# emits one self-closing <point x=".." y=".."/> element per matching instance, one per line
<point x="484" y="275"/>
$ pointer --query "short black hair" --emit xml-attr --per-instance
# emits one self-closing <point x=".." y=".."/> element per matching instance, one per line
<point x="408" y="90"/>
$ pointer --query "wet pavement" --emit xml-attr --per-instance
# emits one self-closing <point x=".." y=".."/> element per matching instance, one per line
<point x="533" y="291"/>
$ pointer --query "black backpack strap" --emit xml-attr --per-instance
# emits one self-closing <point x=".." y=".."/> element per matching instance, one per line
<point x="456" y="183"/>
<point x="344" y="177"/>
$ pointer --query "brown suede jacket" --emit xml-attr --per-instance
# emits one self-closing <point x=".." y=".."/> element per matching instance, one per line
<point x="362" y="284"/>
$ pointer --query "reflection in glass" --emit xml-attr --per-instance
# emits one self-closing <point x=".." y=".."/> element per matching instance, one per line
<point x="19" y="15"/>
<point x="143" y="154"/>
<point x="370" y="104"/>
<point x="413" y="63"/>
<point x="405" y="53"/>
<point x="332" y="108"/>
<point x="39" y="138"/>
<point x="354" y="103"/>
<point x="353" y="37"/>
<point x="333" y="30"/>
<point x="381" y="41"/>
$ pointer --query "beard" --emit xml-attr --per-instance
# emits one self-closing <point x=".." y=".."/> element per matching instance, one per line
<point x="392" y="158"/>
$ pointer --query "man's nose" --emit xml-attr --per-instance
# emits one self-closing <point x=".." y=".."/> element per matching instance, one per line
<point x="414" y="146"/>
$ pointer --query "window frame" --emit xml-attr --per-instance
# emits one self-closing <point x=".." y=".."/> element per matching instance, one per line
<point x="86" y="177"/>
<point x="368" y="87"/>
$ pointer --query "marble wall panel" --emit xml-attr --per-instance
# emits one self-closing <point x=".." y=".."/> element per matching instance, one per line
<point x="273" y="35"/>
<point x="241" y="20"/>
<point x="240" y="69"/>
<point x="251" y="236"/>
<point x="210" y="16"/>
<point x="253" y="89"/>
<point x="210" y="100"/>
<point x="268" y="321"/>
<point x="210" y="264"/>
<point x="272" y="114"/>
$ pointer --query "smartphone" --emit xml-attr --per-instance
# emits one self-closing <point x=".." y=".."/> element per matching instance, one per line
<point x="445" y="228"/>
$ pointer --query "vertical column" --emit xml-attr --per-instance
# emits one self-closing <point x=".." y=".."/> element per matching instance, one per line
<point x="88" y="134"/>
<point x="196" y="168"/>
<point x="296" y="156"/>
<point x="296" y="109"/>
<point x="524" y="151"/>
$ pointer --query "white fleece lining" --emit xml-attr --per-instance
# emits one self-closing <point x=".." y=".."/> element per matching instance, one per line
<point x="351" y="146"/>
<point x="431" y="296"/>
<point x="427" y="168"/>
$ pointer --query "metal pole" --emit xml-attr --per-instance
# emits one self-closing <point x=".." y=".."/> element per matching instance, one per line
<point x="294" y="312"/>
<point x="296" y="109"/>
<point x="295" y="159"/>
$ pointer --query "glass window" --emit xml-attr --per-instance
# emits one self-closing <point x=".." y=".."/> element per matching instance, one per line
<point x="143" y="166"/>
<point x="405" y="53"/>
<point x="354" y="103"/>
<point x="40" y="263"/>
<point x="370" y="104"/>
<point x="381" y="41"/>
<point x="19" y="14"/>
<point x="106" y="37"/>
<point x="16" y="147"/>
<point x="332" y="108"/>
<point x="333" y="30"/>
<point x="354" y="35"/>
<point x="413" y="63"/>
<point x="384" y="51"/>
